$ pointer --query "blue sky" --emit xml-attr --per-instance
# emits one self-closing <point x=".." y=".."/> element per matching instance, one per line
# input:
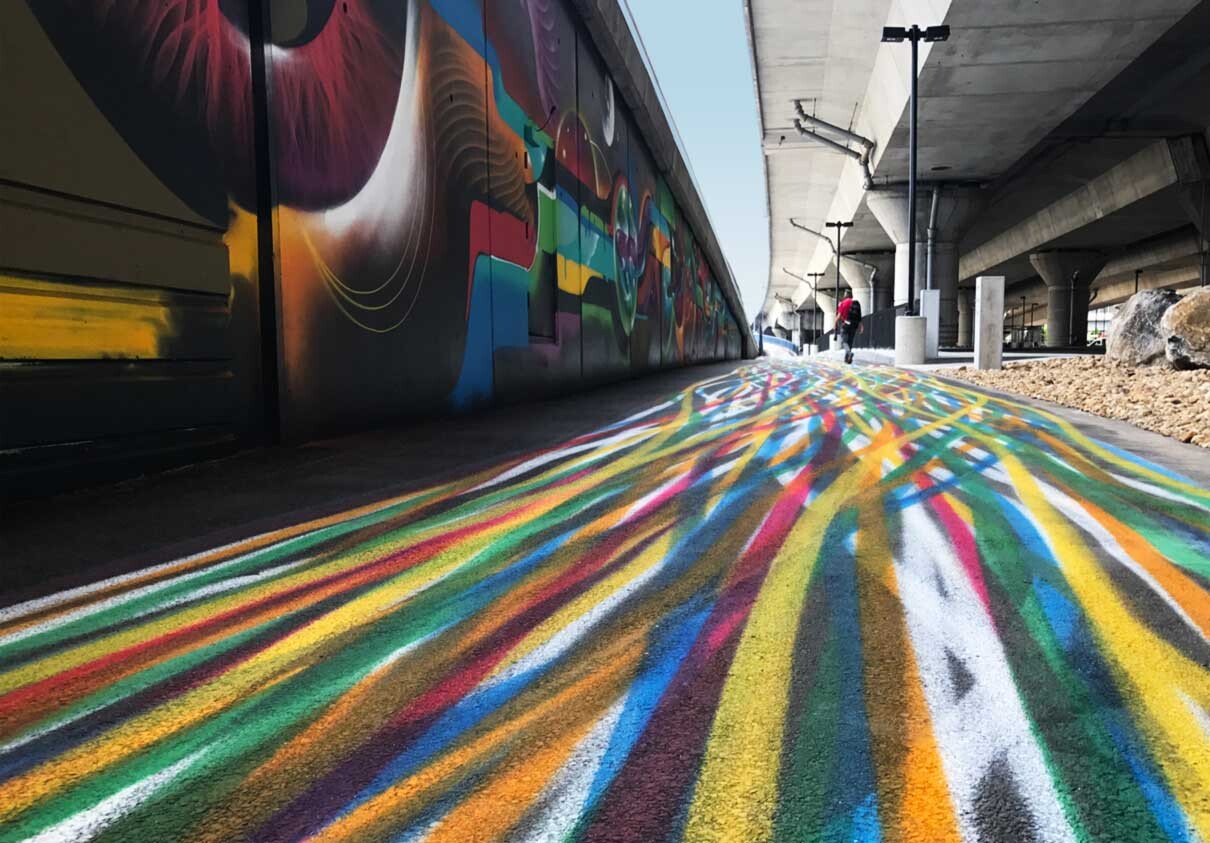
<point x="700" y="54"/>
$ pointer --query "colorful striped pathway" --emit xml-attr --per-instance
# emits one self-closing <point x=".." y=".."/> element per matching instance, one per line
<point x="796" y="602"/>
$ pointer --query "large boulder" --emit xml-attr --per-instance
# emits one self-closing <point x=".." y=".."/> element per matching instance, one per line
<point x="1135" y="335"/>
<point x="1186" y="325"/>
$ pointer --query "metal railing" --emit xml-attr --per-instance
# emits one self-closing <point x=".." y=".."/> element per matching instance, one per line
<point x="878" y="331"/>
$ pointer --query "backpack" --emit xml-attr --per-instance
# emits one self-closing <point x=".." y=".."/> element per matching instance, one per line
<point x="853" y="314"/>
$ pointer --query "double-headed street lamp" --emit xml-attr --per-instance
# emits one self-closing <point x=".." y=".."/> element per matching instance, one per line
<point x="838" y="225"/>
<point x="816" y="324"/>
<point x="812" y="280"/>
<point x="914" y="34"/>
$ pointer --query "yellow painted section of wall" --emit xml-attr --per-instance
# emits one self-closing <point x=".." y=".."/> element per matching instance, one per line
<point x="573" y="276"/>
<point x="663" y="247"/>
<point x="53" y="320"/>
<point x="241" y="243"/>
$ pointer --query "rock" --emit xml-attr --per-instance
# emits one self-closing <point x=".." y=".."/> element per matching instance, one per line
<point x="1186" y="325"/>
<point x="1135" y="335"/>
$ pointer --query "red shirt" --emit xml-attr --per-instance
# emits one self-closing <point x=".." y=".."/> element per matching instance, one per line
<point x="843" y="310"/>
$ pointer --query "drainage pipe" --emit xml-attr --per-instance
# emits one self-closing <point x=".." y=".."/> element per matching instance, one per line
<point x="865" y="143"/>
<point x="932" y="236"/>
<point x="827" y="240"/>
<point x="862" y="157"/>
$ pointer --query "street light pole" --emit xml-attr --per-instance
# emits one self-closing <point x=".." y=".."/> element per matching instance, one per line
<point x="838" y="225"/>
<point x="912" y="174"/>
<point x="1071" y="309"/>
<point x="915" y="34"/>
<point x="817" y="317"/>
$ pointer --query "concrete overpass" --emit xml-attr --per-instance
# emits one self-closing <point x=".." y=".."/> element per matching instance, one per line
<point x="1064" y="145"/>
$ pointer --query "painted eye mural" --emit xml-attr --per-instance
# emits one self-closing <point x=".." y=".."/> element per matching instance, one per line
<point x="453" y="197"/>
<point x="628" y="253"/>
<point x="182" y="67"/>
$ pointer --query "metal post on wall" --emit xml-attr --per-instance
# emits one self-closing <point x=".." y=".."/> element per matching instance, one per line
<point x="259" y="27"/>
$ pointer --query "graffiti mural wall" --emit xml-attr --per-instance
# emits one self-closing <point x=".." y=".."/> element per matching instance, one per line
<point x="452" y="203"/>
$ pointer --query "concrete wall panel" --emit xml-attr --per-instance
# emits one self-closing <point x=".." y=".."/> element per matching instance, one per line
<point x="128" y="306"/>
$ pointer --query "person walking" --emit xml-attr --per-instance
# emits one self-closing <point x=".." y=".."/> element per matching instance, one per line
<point x="848" y="323"/>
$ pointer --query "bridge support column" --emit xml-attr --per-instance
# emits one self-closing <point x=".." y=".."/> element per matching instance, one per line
<point x="966" y="316"/>
<point x="883" y="264"/>
<point x="890" y="209"/>
<point x="956" y="207"/>
<point x="827" y="302"/>
<point x="861" y="278"/>
<point x="1068" y="277"/>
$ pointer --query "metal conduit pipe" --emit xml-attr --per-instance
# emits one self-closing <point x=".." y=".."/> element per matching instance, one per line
<point x="828" y="142"/>
<point x="862" y="157"/>
<point x="865" y="142"/>
<point x="818" y="234"/>
<point x="932" y="236"/>
<point x="824" y="237"/>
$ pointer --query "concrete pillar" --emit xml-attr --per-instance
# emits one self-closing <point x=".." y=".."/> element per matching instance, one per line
<point x="884" y="278"/>
<point x="930" y="309"/>
<point x="1068" y="276"/>
<point x="861" y="278"/>
<point x="945" y="281"/>
<point x="827" y="302"/>
<point x="909" y="340"/>
<point x="966" y="316"/>
<point x="989" y="321"/>
<point x="889" y="207"/>
<point x="882" y="266"/>
<point x="956" y="208"/>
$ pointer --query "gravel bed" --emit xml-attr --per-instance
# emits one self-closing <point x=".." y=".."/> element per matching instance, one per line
<point x="1162" y="400"/>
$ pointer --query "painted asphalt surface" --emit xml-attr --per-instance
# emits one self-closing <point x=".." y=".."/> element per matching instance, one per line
<point x="797" y="602"/>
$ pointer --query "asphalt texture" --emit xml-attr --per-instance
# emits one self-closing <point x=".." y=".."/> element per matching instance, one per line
<point x="789" y="601"/>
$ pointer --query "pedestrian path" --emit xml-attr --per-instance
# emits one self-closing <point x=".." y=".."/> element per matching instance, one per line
<point x="797" y="601"/>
